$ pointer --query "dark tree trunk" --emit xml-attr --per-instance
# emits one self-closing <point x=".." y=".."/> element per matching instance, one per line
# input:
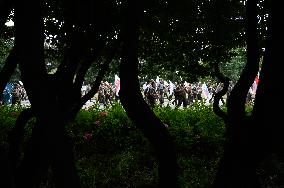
<point x="267" y="112"/>
<point x="8" y="70"/>
<point x="55" y="99"/>
<point x="11" y="62"/>
<point x="240" y="160"/>
<point x="138" y="110"/>
<point x="49" y="143"/>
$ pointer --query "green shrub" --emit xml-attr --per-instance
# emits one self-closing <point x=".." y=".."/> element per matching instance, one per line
<point x="110" y="150"/>
<point x="8" y="117"/>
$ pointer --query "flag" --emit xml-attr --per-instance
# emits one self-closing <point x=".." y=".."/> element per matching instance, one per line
<point x="166" y="83"/>
<point x="256" y="79"/>
<point x="157" y="79"/>
<point x="255" y="83"/>
<point x="186" y="84"/>
<point x="254" y="86"/>
<point x="7" y="93"/>
<point x="117" y="84"/>
<point x="205" y="90"/>
<point x="172" y="86"/>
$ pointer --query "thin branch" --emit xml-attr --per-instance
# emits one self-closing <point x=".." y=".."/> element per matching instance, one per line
<point x="96" y="84"/>
<point x="29" y="41"/>
<point x="8" y="70"/>
<point x="16" y="136"/>
<point x="110" y="52"/>
<point x="72" y="57"/>
<point x="237" y="98"/>
<point x="86" y="64"/>
<point x="225" y="80"/>
<point x="95" y="87"/>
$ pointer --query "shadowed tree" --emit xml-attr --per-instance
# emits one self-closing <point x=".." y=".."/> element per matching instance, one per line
<point x="136" y="107"/>
<point x="181" y="33"/>
<point x="251" y="139"/>
<point x="55" y="98"/>
<point x="11" y="62"/>
<point x="83" y="37"/>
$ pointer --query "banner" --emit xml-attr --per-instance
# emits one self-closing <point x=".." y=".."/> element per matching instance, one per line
<point x="205" y="91"/>
<point x="117" y="84"/>
<point x="7" y="94"/>
<point x="171" y="87"/>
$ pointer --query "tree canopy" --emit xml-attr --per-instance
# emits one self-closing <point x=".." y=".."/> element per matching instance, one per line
<point x="186" y="38"/>
<point x="176" y="40"/>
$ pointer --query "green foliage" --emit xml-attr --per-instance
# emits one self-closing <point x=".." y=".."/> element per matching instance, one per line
<point x="117" y="152"/>
<point x="174" y="35"/>
<point x="5" y="48"/>
<point x="199" y="137"/>
<point x="233" y="68"/>
<point x="110" y="150"/>
<point x="8" y="117"/>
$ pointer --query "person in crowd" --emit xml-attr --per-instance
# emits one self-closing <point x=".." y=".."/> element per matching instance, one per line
<point x="161" y="88"/>
<point x="176" y="94"/>
<point x="16" y="95"/>
<point x="101" y="95"/>
<point x="181" y="95"/>
<point x="190" y="96"/>
<point x="151" y="94"/>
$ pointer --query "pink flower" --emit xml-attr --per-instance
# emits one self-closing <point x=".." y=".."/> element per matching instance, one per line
<point x="14" y="114"/>
<point x="97" y="122"/>
<point x="88" y="136"/>
<point x="103" y="114"/>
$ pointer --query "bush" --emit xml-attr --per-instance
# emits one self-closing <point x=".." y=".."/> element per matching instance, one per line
<point x="111" y="152"/>
<point x="8" y="117"/>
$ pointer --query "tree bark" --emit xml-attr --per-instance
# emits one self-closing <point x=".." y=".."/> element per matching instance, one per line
<point x="49" y="144"/>
<point x="7" y="71"/>
<point x="267" y="114"/>
<point x="239" y="162"/>
<point x="138" y="110"/>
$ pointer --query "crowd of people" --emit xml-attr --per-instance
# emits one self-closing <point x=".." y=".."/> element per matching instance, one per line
<point x="177" y="94"/>
<point x="155" y="92"/>
<point x="13" y="94"/>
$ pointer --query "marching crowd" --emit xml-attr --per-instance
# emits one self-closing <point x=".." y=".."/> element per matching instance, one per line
<point x="155" y="92"/>
<point x="177" y="94"/>
<point x="14" y="94"/>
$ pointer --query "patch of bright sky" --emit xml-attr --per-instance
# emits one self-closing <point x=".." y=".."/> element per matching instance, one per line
<point x="10" y="23"/>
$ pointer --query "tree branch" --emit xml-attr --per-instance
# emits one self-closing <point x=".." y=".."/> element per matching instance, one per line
<point x="86" y="64"/>
<point x="8" y="70"/>
<point x="136" y="107"/>
<point x="95" y="86"/>
<point x="16" y="137"/>
<point x="225" y="80"/>
<point x="72" y="57"/>
<point x="237" y="98"/>
<point x="29" y="40"/>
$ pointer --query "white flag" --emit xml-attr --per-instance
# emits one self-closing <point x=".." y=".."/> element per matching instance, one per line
<point x="117" y="84"/>
<point x="205" y="90"/>
<point x="157" y="79"/>
<point x="172" y="86"/>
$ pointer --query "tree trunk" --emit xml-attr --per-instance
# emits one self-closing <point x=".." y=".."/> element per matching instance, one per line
<point x="267" y="114"/>
<point x="138" y="110"/>
<point x="240" y="159"/>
